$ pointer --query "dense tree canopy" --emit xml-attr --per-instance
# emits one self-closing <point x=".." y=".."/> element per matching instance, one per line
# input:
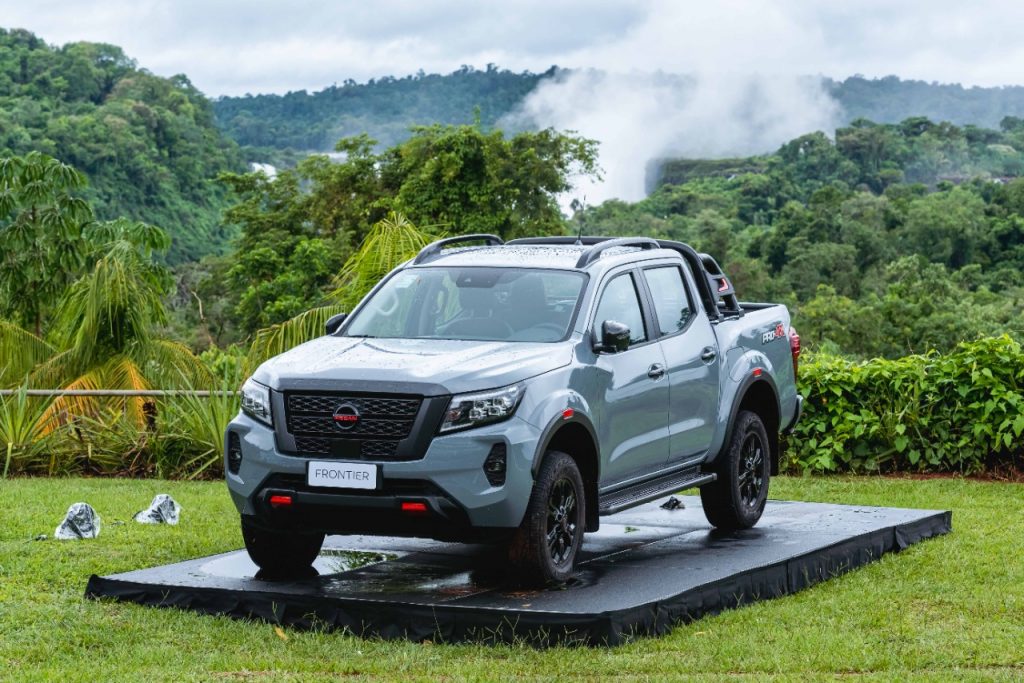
<point x="147" y="144"/>
<point x="387" y="107"/>
<point x="41" y="242"/>
<point x="383" y="108"/>
<point x="887" y="240"/>
<point x="298" y="228"/>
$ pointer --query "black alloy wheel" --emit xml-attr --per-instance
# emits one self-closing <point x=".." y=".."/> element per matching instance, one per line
<point x="751" y="474"/>
<point x="736" y="499"/>
<point x="543" y="549"/>
<point x="562" y="525"/>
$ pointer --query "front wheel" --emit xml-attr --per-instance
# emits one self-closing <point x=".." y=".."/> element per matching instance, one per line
<point x="737" y="498"/>
<point x="281" y="553"/>
<point x="543" y="549"/>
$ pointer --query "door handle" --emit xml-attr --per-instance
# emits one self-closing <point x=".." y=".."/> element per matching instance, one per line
<point x="656" y="371"/>
<point x="708" y="354"/>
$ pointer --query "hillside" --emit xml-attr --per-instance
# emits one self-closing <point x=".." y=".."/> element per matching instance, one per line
<point x="384" y="108"/>
<point x="147" y="144"/>
<point x="884" y="239"/>
<point x="872" y="156"/>
<point x="890" y="100"/>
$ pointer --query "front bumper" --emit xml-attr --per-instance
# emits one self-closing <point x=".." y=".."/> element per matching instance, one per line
<point x="450" y="480"/>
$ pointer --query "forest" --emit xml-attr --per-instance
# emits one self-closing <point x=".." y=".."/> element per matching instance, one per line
<point x="138" y="253"/>
<point x="148" y="145"/>
<point x="887" y="240"/>
<point x="385" y="108"/>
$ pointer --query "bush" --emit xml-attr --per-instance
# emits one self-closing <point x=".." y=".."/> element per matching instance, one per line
<point x="956" y="412"/>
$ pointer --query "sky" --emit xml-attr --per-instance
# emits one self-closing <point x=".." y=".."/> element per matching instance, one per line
<point x="260" y="46"/>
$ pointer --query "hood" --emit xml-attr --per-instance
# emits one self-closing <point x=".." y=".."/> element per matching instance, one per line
<point x="434" y="366"/>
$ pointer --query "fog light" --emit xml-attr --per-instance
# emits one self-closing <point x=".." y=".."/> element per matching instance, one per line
<point x="494" y="465"/>
<point x="234" y="453"/>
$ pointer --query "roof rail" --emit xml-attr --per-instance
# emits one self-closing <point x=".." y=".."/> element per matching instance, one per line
<point x="594" y="253"/>
<point x="434" y="248"/>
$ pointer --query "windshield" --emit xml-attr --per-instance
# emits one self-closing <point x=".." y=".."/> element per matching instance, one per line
<point x="487" y="304"/>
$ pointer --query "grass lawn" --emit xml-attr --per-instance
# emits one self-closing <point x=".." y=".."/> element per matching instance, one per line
<point x="951" y="607"/>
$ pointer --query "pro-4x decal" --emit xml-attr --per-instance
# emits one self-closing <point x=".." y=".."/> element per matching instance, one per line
<point x="771" y="335"/>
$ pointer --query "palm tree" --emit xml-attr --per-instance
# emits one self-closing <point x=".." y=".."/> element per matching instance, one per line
<point x="103" y="330"/>
<point x="22" y="351"/>
<point x="389" y="243"/>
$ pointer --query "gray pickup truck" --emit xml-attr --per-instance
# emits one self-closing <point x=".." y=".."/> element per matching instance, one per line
<point x="515" y="393"/>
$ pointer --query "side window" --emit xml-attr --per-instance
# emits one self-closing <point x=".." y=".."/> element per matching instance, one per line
<point x="671" y="300"/>
<point x="619" y="302"/>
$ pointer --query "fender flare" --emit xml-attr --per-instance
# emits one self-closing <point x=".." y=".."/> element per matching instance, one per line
<point x="556" y="423"/>
<point x="741" y="394"/>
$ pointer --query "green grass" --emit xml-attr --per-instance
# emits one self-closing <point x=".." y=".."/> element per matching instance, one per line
<point x="951" y="607"/>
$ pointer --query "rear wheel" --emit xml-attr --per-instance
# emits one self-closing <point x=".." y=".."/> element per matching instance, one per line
<point x="737" y="498"/>
<point x="544" y="547"/>
<point x="280" y="553"/>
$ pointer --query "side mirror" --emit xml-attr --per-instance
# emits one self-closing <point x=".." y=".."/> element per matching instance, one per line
<point x="333" y="323"/>
<point x="614" y="337"/>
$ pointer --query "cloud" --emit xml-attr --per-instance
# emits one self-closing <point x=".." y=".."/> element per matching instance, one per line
<point x="259" y="46"/>
<point x="739" y="95"/>
<point x="233" y="47"/>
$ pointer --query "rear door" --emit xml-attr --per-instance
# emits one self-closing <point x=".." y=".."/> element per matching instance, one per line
<point x="691" y="356"/>
<point x="634" y="397"/>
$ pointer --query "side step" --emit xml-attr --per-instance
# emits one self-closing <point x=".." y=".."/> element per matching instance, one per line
<point x="646" y="491"/>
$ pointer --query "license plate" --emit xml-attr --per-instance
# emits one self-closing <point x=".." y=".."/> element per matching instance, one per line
<point x="342" y="475"/>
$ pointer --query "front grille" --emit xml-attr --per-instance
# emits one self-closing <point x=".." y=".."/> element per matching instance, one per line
<point x="394" y="407"/>
<point x="304" y="424"/>
<point x="369" y="450"/>
<point x="383" y="423"/>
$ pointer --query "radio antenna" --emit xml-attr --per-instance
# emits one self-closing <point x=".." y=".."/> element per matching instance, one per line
<point x="579" y="207"/>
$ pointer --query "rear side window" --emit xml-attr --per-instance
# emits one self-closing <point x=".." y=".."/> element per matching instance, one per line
<point x="619" y="302"/>
<point x="671" y="301"/>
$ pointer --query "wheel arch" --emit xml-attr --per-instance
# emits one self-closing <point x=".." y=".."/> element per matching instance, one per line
<point x="760" y="396"/>
<point x="577" y="438"/>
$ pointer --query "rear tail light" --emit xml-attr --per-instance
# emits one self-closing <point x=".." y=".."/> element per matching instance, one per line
<point x="794" y="348"/>
<point x="280" y="501"/>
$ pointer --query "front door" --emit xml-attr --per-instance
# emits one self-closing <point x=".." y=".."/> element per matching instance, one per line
<point x="633" y="420"/>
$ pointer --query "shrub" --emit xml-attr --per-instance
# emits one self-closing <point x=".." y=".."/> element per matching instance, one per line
<point x="957" y="412"/>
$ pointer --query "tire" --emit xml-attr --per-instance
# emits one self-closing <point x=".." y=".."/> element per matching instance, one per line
<point x="281" y="553"/>
<point x="737" y="498"/>
<point x="544" y="547"/>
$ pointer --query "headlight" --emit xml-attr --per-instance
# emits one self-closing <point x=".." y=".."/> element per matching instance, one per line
<point x="484" y="407"/>
<point x="256" y="401"/>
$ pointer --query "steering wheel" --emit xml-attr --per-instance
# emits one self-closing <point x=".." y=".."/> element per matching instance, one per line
<point x="534" y="331"/>
<point x="497" y="329"/>
<point x="506" y="328"/>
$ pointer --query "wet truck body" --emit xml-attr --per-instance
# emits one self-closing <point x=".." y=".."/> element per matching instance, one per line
<point x="515" y="393"/>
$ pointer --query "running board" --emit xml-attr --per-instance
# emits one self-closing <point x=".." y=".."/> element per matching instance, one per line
<point x="646" y="491"/>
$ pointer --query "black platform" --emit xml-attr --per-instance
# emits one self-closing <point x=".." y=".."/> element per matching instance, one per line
<point x="646" y="570"/>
